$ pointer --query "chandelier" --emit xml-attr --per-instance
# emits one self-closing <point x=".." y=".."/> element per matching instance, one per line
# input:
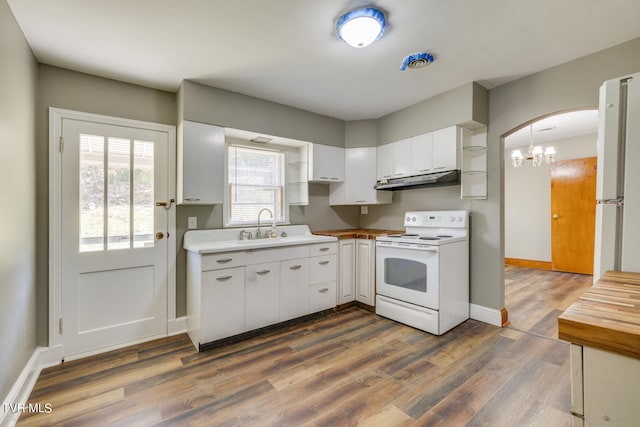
<point x="535" y="154"/>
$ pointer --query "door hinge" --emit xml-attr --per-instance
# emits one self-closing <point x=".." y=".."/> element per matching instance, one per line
<point x="61" y="144"/>
<point x="60" y="325"/>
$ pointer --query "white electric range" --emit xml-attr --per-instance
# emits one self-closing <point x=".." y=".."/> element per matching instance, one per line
<point x="422" y="275"/>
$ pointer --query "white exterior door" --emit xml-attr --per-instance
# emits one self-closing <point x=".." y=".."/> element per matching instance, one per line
<point x="114" y="236"/>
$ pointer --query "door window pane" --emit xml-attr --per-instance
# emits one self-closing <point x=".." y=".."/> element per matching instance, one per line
<point x="143" y="198"/>
<point x="91" y="193"/>
<point x="119" y="193"/>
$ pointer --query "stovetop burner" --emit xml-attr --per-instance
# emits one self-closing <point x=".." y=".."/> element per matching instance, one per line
<point x="429" y="238"/>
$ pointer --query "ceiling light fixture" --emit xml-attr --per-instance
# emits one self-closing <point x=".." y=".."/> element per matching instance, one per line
<point x="361" y="27"/>
<point x="534" y="154"/>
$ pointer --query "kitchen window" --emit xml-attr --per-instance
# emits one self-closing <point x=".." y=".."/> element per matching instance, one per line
<point x="255" y="181"/>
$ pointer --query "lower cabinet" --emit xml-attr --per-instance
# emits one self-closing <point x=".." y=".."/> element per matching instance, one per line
<point x="603" y="388"/>
<point x="356" y="277"/>
<point x="294" y="287"/>
<point x="261" y="304"/>
<point x="292" y="282"/>
<point x="223" y="296"/>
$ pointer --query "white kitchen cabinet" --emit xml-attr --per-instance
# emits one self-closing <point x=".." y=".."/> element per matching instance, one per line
<point x="360" y="177"/>
<point x="326" y="163"/>
<point x="604" y="387"/>
<point x="200" y="164"/>
<point x="347" y="272"/>
<point x="446" y="145"/>
<point x="223" y="297"/>
<point x="402" y="158"/>
<point x="393" y="160"/>
<point x="422" y="154"/>
<point x="261" y="303"/>
<point x="384" y="162"/>
<point x="323" y="275"/>
<point x="356" y="279"/>
<point x="365" y="271"/>
<point x="294" y="288"/>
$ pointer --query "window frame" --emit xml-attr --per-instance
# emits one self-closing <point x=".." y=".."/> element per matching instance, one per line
<point x="232" y="142"/>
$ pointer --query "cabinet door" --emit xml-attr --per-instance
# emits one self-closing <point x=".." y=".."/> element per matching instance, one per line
<point x="326" y="163"/>
<point x="401" y="158"/>
<point x="422" y="154"/>
<point x="294" y="288"/>
<point x="223" y="304"/>
<point x="200" y="164"/>
<point x="360" y="177"/>
<point x="347" y="273"/>
<point x="323" y="269"/>
<point x="445" y="149"/>
<point x="384" y="162"/>
<point x="365" y="271"/>
<point x="262" y="293"/>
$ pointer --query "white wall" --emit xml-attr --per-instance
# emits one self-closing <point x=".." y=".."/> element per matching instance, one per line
<point x="527" y="200"/>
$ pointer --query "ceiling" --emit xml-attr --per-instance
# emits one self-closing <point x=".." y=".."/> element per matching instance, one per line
<point x="286" y="51"/>
<point x="555" y="128"/>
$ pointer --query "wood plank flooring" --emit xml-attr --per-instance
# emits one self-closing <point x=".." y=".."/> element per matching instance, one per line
<point x="351" y="367"/>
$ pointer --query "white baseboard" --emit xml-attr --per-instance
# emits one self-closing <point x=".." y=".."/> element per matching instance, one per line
<point x="485" y="314"/>
<point x="177" y="326"/>
<point x="41" y="358"/>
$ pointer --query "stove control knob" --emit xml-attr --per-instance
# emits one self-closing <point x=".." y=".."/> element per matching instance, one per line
<point x="459" y="219"/>
<point x="453" y="219"/>
<point x="408" y="219"/>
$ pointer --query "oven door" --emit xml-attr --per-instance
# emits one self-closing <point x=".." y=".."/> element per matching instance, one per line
<point x="409" y="273"/>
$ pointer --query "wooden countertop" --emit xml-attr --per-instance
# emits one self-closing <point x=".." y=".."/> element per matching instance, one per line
<point x="607" y="316"/>
<point x="357" y="233"/>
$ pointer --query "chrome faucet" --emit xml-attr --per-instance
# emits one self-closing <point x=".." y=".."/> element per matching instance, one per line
<point x="260" y="213"/>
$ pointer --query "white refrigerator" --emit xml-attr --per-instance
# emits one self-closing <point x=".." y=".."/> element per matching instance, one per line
<point x="617" y="240"/>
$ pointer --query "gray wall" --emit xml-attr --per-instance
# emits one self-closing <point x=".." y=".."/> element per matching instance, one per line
<point x="71" y="90"/>
<point x="18" y="316"/>
<point x="565" y="87"/>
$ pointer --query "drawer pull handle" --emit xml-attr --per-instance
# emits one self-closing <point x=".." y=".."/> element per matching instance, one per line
<point x="323" y="262"/>
<point x="324" y="249"/>
<point x="223" y="278"/>
<point x="262" y="272"/>
<point x="323" y="290"/>
<point x="192" y="199"/>
<point x="224" y="260"/>
<point x="295" y="267"/>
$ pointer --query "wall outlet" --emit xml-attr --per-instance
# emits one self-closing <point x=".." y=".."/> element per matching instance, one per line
<point x="364" y="210"/>
<point x="192" y="222"/>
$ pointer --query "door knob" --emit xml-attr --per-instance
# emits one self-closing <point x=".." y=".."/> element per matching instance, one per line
<point x="159" y="235"/>
<point x="554" y="216"/>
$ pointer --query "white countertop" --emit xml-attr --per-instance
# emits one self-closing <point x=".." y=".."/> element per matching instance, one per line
<point x="226" y="240"/>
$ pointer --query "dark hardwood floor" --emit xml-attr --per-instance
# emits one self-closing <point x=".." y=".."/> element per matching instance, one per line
<point x="351" y="367"/>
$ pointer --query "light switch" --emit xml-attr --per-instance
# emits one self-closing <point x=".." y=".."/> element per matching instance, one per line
<point x="192" y="222"/>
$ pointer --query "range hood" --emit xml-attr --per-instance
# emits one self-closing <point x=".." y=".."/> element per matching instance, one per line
<point x="437" y="179"/>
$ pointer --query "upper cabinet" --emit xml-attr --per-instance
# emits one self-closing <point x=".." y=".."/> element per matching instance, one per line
<point x="360" y="177"/>
<point x="427" y="153"/>
<point x="446" y="145"/>
<point x="326" y="163"/>
<point x="200" y="168"/>
<point x="394" y="160"/>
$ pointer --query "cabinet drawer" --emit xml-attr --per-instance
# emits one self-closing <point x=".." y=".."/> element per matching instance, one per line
<point x="318" y="249"/>
<point x="322" y="296"/>
<point x="323" y="269"/>
<point x="223" y="260"/>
